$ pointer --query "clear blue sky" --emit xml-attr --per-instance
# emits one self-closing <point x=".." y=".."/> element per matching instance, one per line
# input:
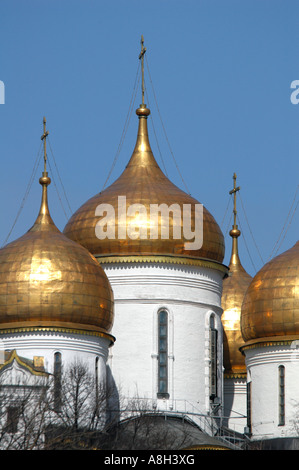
<point x="221" y="71"/>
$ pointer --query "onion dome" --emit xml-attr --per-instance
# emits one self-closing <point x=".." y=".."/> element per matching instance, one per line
<point x="234" y="289"/>
<point x="49" y="281"/>
<point x="142" y="182"/>
<point x="271" y="304"/>
<point x="129" y="202"/>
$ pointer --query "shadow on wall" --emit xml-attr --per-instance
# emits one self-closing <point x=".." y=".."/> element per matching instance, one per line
<point x="113" y="414"/>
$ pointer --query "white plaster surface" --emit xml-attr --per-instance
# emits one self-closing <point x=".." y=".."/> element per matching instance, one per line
<point x="190" y="295"/>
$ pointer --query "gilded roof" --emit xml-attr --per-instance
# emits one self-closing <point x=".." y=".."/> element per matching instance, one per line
<point x="32" y="366"/>
<point x="234" y="289"/>
<point x="143" y="182"/>
<point x="48" y="280"/>
<point x="271" y="305"/>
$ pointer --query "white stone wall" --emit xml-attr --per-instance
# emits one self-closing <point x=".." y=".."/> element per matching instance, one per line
<point x="71" y="346"/>
<point x="262" y="366"/>
<point x="235" y="404"/>
<point x="190" y="295"/>
<point x="18" y="382"/>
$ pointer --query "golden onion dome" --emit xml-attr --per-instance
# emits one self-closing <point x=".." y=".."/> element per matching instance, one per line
<point x="234" y="289"/>
<point x="142" y="183"/>
<point x="271" y="304"/>
<point x="49" y="281"/>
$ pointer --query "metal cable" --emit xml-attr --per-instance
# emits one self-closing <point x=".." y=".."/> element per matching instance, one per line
<point x="229" y="201"/>
<point x="59" y="177"/>
<point x="152" y="121"/>
<point x="229" y="223"/>
<point x="251" y="231"/>
<point x="32" y="177"/>
<point x="272" y="252"/>
<point x="288" y="226"/>
<point x="171" y="152"/>
<point x="126" y="125"/>
<point x="255" y="270"/>
<point x="48" y="161"/>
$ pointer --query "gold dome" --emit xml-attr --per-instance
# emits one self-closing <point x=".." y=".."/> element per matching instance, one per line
<point x="143" y="182"/>
<point x="271" y="305"/>
<point x="49" y="281"/>
<point x="234" y="289"/>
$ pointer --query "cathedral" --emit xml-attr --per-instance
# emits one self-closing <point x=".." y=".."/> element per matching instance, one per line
<point x="135" y="287"/>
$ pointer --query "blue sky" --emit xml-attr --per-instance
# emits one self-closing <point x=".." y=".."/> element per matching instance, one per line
<point x="221" y="72"/>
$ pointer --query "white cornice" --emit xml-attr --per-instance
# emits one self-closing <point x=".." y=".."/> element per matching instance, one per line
<point x="145" y="280"/>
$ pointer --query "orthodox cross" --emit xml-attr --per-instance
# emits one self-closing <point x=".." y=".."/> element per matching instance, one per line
<point x="141" y="56"/>
<point x="44" y="138"/>
<point x="234" y="192"/>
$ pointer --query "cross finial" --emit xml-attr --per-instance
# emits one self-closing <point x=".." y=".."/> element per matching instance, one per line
<point x="44" y="216"/>
<point x="234" y="192"/>
<point x="141" y="56"/>
<point x="44" y="138"/>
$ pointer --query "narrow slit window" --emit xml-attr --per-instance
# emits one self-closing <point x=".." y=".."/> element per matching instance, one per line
<point x="57" y="381"/>
<point x="249" y="407"/>
<point x="281" y="398"/>
<point x="97" y="384"/>
<point x="213" y="359"/>
<point x="163" y="354"/>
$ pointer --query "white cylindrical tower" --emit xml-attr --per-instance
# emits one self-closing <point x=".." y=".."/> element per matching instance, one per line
<point x="269" y="325"/>
<point x="234" y="289"/>
<point x="166" y="274"/>
<point x="165" y="317"/>
<point x="55" y="299"/>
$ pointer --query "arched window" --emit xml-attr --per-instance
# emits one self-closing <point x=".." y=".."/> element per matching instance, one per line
<point x="163" y="354"/>
<point x="57" y="381"/>
<point x="213" y="358"/>
<point x="281" y="396"/>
